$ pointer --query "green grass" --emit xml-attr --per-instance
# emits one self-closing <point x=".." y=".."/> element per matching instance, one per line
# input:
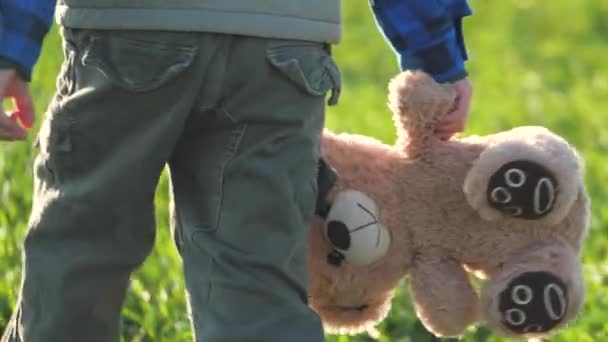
<point x="532" y="63"/>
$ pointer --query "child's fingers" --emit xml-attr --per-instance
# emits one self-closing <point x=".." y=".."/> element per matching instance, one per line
<point x="23" y="103"/>
<point x="445" y="134"/>
<point x="445" y="131"/>
<point x="455" y="125"/>
<point x="9" y="129"/>
<point x="454" y="122"/>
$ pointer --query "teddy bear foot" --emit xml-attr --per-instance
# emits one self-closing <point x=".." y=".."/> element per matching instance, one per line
<point x="529" y="175"/>
<point x="534" y="302"/>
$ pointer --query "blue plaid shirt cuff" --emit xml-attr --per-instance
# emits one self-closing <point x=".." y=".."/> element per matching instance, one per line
<point x="23" y="25"/>
<point x="426" y="35"/>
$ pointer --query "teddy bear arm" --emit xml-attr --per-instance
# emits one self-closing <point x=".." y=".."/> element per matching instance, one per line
<point x="443" y="296"/>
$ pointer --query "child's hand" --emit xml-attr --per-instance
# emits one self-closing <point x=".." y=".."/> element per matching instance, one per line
<point x="455" y="121"/>
<point x="13" y="87"/>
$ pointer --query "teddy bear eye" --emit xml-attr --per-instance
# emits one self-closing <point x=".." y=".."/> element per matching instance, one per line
<point x="501" y="195"/>
<point x="515" y="178"/>
<point x="338" y="234"/>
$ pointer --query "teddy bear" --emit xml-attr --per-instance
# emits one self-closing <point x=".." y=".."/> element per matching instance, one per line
<point x="509" y="209"/>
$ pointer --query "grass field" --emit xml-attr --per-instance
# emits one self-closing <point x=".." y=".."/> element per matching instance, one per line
<point x="532" y="63"/>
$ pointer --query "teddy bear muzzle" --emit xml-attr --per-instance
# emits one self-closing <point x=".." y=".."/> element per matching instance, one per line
<point x="353" y="229"/>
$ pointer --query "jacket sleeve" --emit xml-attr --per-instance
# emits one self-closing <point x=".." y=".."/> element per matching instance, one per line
<point x="23" y="26"/>
<point x="425" y="34"/>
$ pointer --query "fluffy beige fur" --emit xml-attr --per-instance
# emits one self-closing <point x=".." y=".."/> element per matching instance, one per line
<point x="432" y="197"/>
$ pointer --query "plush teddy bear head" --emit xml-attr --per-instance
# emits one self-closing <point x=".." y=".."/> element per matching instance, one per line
<point x="508" y="208"/>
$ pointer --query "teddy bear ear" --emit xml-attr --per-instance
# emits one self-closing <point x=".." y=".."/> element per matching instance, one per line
<point x="417" y="103"/>
<point x="527" y="173"/>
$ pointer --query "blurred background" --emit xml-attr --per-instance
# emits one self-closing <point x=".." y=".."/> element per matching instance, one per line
<point x="531" y="63"/>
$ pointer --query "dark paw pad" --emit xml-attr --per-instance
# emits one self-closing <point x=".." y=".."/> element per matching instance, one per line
<point x="533" y="302"/>
<point x="523" y="189"/>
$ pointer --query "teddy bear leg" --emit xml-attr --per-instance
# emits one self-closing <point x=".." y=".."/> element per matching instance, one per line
<point x="444" y="299"/>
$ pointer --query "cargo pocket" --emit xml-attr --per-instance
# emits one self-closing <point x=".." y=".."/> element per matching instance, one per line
<point x="54" y="144"/>
<point x="311" y="69"/>
<point x="199" y="186"/>
<point x="136" y="64"/>
<point x="54" y="136"/>
<point x="309" y="66"/>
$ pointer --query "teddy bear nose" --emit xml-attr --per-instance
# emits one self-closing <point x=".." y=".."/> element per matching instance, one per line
<point x="523" y="189"/>
<point x="338" y="234"/>
<point x="534" y="302"/>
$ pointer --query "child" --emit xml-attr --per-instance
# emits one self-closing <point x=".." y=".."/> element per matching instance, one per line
<point x="230" y="94"/>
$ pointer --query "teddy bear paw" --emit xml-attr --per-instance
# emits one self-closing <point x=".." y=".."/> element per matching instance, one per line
<point x="534" y="302"/>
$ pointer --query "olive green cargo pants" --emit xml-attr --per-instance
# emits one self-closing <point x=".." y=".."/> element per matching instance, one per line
<point x="238" y="120"/>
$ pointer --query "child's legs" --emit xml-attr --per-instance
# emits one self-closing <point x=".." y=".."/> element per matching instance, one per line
<point x="245" y="190"/>
<point x="103" y="145"/>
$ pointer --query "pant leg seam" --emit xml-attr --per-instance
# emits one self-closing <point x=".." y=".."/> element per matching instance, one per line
<point x="238" y="133"/>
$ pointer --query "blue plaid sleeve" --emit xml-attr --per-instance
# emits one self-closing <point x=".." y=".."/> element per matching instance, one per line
<point x="23" y="25"/>
<point x="425" y="34"/>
